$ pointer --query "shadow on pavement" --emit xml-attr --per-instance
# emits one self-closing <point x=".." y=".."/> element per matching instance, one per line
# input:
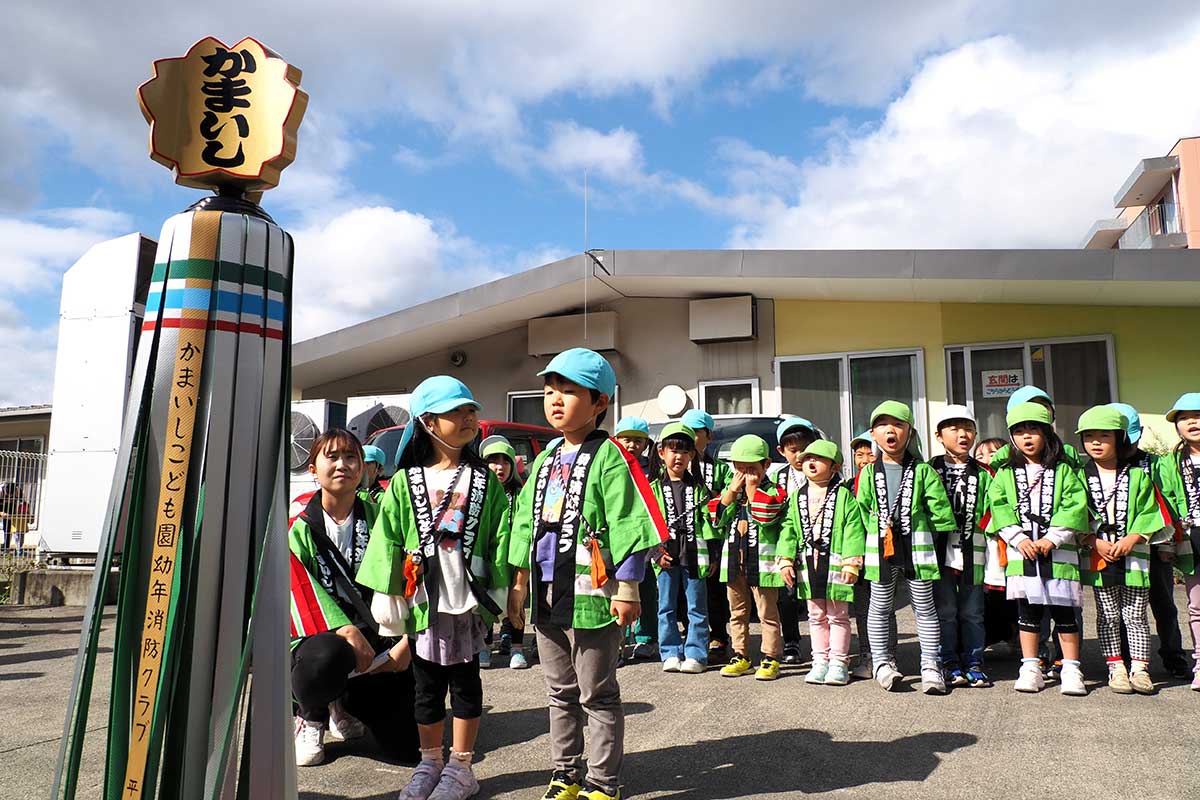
<point x="19" y="676"/>
<point x="22" y="619"/>
<point x="803" y="760"/>
<point x="44" y="655"/>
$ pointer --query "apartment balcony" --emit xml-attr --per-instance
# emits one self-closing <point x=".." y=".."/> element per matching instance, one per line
<point x="1105" y="234"/>
<point x="1146" y="181"/>
<point x="1157" y="227"/>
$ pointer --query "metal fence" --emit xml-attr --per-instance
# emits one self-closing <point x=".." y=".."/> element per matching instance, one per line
<point x="22" y="476"/>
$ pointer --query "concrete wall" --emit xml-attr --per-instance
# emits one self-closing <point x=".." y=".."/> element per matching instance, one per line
<point x="653" y="351"/>
<point x="26" y="428"/>
<point x="1188" y="151"/>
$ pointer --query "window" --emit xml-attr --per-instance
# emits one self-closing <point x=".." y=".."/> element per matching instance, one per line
<point x="1078" y="373"/>
<point x="31" y="444"/>
<point x="724" y="398"/>
<point x="838" y="391"/>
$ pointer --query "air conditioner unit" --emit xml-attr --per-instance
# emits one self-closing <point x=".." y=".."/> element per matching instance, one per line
<point x="311" y="418"/>
<point x="368" y="414"/>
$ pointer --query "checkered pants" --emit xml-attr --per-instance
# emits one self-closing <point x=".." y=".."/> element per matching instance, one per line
<point x="1115" y="604"/>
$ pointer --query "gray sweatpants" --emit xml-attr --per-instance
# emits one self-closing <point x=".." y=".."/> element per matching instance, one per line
<point x="580" y="667"/>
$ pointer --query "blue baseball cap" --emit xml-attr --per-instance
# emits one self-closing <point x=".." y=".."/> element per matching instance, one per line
<point x="1026" y="394"/>
<point x="585" y="367"/>
<point x="794" y="422"/>
<point x="373" y="453"/>
<point x="437" y="395"/>
<point x="1133" y="420"/>
<point x="1189" y="401"/>
<point x="632" y="425"/>
<point x="697" y="419"/>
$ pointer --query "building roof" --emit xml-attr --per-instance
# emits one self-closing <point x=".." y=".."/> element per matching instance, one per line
<point x="25" y="411"/>
<point x="1088" y="277"/>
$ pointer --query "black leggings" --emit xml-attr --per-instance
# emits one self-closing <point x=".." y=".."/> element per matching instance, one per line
<point x="383" y="701"/>
<point x="1030" y="616"/>
<point x="432" y="682"/>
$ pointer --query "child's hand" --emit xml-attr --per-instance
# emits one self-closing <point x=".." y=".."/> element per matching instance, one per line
<point x="752" y="482"/>
<point x="399" y="657"/>
<point x="1044" y="546"/>
<point x="1027" y="549"/>
<point x="664" y="560"/>
<point x="363" y="654"/>
<point x="708" y="572"/>
<point x="788" y="573"/>
<point x="1125" y="546"/>
<point x="849" y="578"/>
<point x="516" y="606"/>
<point x="626" y="611"/>
<point x="1103" y="549"/>
<point x="738" y="483"/>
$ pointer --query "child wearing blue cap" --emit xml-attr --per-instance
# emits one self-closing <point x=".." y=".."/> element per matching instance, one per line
<point x="716" y="475"/>
<point x="1179" y="474"/>
<point x="373" y="464"/>
<point x="585" y="523"/>
<point x="437" y="563"/>
<point x="633" y="433"/>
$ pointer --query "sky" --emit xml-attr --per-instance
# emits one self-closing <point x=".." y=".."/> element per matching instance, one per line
<point x="446" y="144"/>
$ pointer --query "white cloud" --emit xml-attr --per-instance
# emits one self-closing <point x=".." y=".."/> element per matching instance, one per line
<point x="573" y="148"/>
<point x="992" y="145"/>
<point x="28" y="353"/>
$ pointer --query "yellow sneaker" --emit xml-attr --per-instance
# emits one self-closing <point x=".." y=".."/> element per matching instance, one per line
<point x="563" y="786"/>
<point x="738" y="666"/>
<point x="768" y="670"/>
<point x="592" y="793"/>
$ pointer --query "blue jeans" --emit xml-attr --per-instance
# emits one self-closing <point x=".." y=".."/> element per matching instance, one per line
<point x="959" y="607"/>
<point x="669" y="641"/>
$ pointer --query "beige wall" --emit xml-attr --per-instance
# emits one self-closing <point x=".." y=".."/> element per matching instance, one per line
<point x="653" y="351"/>
<point x="1188" y="151"/>
<point x="26" y="428"/>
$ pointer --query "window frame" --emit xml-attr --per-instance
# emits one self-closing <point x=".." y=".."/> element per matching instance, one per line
<point x="510" y="396"/>
<point x="755" y="393"/>
<point x="614" y="405"/>
<point x="846" y="411"/>
<point x="1026" y="345"/>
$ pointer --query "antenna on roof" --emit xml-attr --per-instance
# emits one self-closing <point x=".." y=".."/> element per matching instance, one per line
<point x="586" y="266"/>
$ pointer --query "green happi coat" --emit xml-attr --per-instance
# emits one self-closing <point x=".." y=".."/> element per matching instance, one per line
<point x="764" y="517"/>
<point x="697" y="498"/>
<point x="396" y="534"/>
<point x="716" y="474"/>
<point x="315" y="606"/>
<point x="846" y="535"/>
<point x="618" y="509"/>
<point x="978" y="524"/>
<point x="927" y="512"/>
<point x="1138" y="511"/>
<point x="1169" y="472"/>
<point x="1070" y="455"/>
<point x="1069" y="510"/>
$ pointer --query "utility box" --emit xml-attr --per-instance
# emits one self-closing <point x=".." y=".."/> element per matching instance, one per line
<point x="552" y="335"/>
<point x="723" y="319"/>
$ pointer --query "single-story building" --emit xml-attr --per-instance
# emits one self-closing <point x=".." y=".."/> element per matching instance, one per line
<point x="823" y="334"/>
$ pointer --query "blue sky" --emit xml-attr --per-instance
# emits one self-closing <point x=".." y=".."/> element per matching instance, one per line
<point x="446" y="144"/>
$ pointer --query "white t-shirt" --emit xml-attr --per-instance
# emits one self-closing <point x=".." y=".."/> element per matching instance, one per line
<point x="342" y="535"/>
<point x="454" y="593"/>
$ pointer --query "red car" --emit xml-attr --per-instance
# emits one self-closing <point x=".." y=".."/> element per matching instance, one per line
<point x="527" y="441"/>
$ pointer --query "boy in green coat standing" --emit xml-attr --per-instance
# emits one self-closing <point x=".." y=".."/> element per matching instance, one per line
<point x="584" y="525"/>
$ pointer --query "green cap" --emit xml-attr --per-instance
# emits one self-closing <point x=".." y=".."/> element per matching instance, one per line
<point x="893" y="408"/>
<point x="749" y="449"/>
<point x="1028" y="412"/>
<point x="676" y="429"/>
<point x="1101" y="418"/>
<point x="824" y="448"/>
<point x="497" y="446"/>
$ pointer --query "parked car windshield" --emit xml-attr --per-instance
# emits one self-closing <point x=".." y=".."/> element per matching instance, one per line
<point x="730" y="428"/>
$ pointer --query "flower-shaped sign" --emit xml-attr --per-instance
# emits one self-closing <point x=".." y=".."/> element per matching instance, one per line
<point x="224" y="116"/>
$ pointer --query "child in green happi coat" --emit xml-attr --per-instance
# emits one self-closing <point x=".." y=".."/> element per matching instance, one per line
<point x="1179" y="475"/>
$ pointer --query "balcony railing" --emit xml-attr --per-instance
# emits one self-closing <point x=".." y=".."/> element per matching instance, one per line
<point x="1156" y="220"/>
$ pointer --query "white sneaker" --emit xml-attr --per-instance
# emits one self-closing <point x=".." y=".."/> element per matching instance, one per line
<point x="1030" y="679"/>
<point x="888" y="677"/>
<point x="1072" y="681"/>
<point x="343" y="726"/>
<point x="862" y="668"/>
<point x="932" y="681"/>
<point x="424" y="781"/>
<point x="310" y="743"/>
<point x="671" y="665"/>
<point x="691" y="666"/>
<point x="457" y="783"/>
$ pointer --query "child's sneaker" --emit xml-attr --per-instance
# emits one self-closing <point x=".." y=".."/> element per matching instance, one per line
<point x="692" y="667"/>
<point x="1072" y="680"/>
<point x="738" y="666"/>
<point x="343" y="726"/>
<point x="820" y="668"/>
<point x="644" y="651"/>
<point x="563" y="786"/>
<point x="485" y="658"/>
<point x="424" y="780"/>
<point x="1030" y="678"/>
<point x="862" y="668"/>
<point x="888" y="677"/>
<point x="791" y="653"/>
<point x="671" y="664"/>
<point x="1141" y="681"/>
<point x="977" y="678"/>
<point x="932" y="681"/>
<point x="310" y="743"/>
<point x="768" y="670"/>
<point x="593" y="792"/>
<point x="1054" y="672"/>
<point x="837" y="674"/>
<point x="518" y="661"/>
<point x="1118" y="678"/>
<point x="456" y="783"/>
<point x="505" y="644"/>
<point x="1196" y="681"/>
<point x="956" y="677"/>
